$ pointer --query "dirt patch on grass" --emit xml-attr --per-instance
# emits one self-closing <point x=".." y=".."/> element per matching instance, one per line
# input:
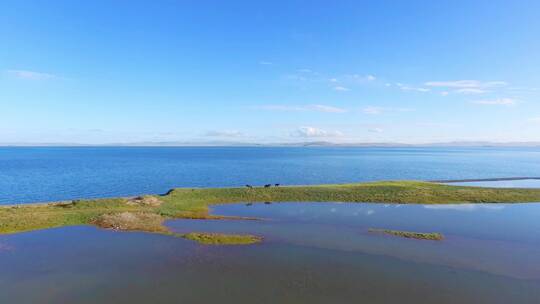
<point x="146" y="200"/>
<point x="131" y="221"/>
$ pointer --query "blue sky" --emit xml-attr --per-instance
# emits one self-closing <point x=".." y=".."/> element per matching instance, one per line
<point x="280" y="71"/>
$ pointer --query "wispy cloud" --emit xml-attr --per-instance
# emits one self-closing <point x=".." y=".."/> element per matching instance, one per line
<point x="327" y="109"/>
<point x="353" y="79"/>
<point x="463" y="84"/>
<point x="371" y="110"/>
<point x="496" y="102"/>
<point x="360" y="78"/>
<point x="312" y="132"/>
<point x="438" y="125"/>
<point x="341" y="83"/>
<point x="341" y="88"/>
<point x="535" y="120"/>
<point x="224" y="133"/>
<point x="304" y="108"/>
<point x="404" y="87"/>
<point x="30" y="75"/>
<point x="471" y="91"/>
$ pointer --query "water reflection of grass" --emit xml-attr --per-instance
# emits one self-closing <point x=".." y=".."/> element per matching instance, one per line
<point x="431" y="236"/>
<point x="148" y="213"/>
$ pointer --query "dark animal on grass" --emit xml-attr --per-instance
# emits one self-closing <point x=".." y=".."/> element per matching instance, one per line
<point x="249" y="186"/>
<point x="268" y="185"/>
<point x="277" y="185"/>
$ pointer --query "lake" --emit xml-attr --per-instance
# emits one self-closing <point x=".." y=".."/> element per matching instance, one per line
<point x="41" y="174"/>
<point x="312" y="253"/>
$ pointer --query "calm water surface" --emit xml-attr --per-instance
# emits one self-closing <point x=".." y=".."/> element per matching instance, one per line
<point x="527" y="183"/>
<point x="312" y="253"/>
<point x="52" y="174"/>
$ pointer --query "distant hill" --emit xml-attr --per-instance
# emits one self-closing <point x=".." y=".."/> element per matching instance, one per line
<point x="296" y="144"/>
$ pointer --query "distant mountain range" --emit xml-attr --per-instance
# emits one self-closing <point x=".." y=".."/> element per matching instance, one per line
<point x="297" y="144"/>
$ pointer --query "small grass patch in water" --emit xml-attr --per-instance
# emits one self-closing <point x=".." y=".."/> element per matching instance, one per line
<point x="204" y="215"/>
<point x="430" y="236"/>
<point x="222" y="239"/>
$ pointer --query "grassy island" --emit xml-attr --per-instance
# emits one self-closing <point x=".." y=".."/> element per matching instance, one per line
<point x="222" y="239"/>
<point x="430" y="236"/>
<point x="147" y="213"/>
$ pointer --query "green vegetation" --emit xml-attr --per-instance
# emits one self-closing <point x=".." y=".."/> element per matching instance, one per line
<point x="222" y="239"/>
<point x="430" y="236"/>
<point x="147" y="213"/>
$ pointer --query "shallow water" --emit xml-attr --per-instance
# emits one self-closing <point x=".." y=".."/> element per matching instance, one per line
<point x="525" y="183"/>
<point x="62" y="173"/>
<point x="312" y="253"/>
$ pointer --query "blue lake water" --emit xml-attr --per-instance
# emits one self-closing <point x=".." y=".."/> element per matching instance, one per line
<point x="311" y="253"/>
<point x="40" y="174"/>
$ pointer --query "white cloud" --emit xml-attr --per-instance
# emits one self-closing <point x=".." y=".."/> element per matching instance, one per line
<point x="224" y="133"/>
<point x="438" y="125"/>
<point x="444" y="93"/>
<point x="497" y="102"/>
<point x="457" y="84"/>
<point x="535" y="120"/>
<point x="470" y="91"/>
<point x="312" y="132"/>
<point x="312" y="107"/>
<point x="326" y="109"/>
<point x="371" y="110"/>
<point x="30" y="75"/>
<point x="375" y="130"/>
<point x="341" y="89"/>
<point x="409" y="88"/>
<point x="333" y="80"/>
<point x="356" y="78"/>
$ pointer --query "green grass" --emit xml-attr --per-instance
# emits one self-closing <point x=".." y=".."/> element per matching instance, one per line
<point x="194" y="203"/>
<point x="430" y="236"/>
<point x="222" y="239"/>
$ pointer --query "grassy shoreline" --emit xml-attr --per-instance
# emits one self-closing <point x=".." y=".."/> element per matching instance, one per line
<point x="148" y="213"/>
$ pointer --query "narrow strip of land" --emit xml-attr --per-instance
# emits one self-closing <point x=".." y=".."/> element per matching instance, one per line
<point x="430" y="236"/>
<point x="147" y="213"/>
<point x="496" y="179"/>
